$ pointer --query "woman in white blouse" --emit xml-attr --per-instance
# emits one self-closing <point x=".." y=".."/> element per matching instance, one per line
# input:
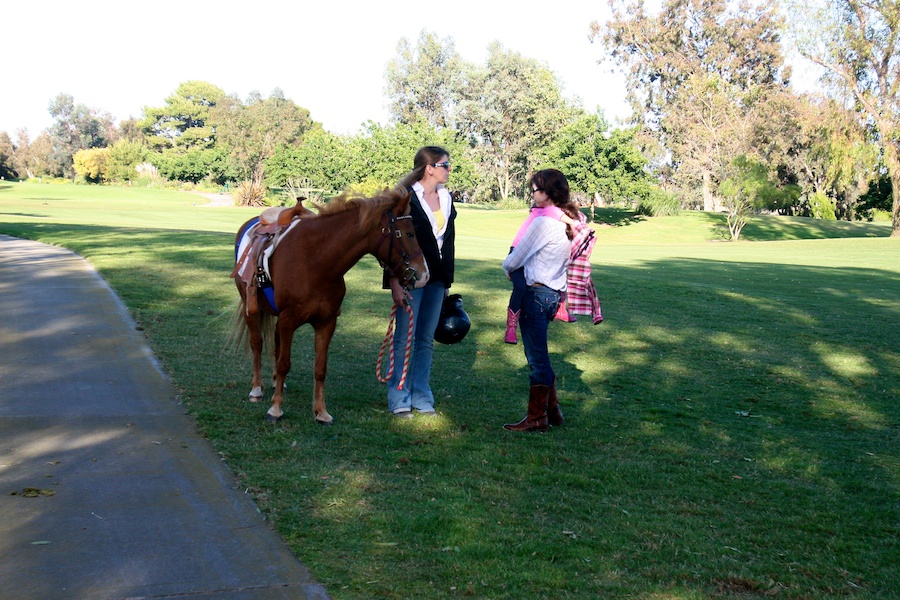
<point x="434" y="219"/>
<point x="544" y="253"/>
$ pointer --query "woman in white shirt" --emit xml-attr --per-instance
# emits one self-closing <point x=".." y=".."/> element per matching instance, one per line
<point x="434" y="219"/>
<point x="544" y="253"/>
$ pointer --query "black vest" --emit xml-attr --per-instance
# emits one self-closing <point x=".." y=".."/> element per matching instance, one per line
<point x="440" y="262"/>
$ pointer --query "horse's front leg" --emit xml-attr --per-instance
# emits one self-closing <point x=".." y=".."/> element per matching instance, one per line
<point x="324" y="333"/>
<point x="285" y="332"/>
<point x="275" y="356"/>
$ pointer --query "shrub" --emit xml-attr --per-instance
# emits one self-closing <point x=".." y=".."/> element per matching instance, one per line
<point x="91" y="164"/>
<point x="881" y="215"/>
<point x="124" y="158"/>
<point x="821" y="206"/>
<point x="249" y="193"/>
<point x="659" y="204"/>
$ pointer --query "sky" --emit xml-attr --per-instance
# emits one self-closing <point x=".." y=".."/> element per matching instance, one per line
<point x="331" y="59"/>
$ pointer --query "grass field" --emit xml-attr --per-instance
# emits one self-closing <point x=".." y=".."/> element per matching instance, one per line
<point x="732" y="427"/>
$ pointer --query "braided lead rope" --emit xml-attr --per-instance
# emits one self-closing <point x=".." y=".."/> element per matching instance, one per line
<point x="388" y="340"/>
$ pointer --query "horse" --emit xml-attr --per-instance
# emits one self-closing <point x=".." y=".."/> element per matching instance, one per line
<point x="307" y="271"/>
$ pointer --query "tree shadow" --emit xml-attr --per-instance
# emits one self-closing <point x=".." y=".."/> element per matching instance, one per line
<point x="775" y="228"/>
<point x="615" y="217"/>
<point x="747" y="405"/>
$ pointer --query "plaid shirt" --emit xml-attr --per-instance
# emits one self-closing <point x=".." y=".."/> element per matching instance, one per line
<point x="582" y="299"/>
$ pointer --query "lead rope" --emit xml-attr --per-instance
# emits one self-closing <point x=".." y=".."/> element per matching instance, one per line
<point x="389" y="339"/>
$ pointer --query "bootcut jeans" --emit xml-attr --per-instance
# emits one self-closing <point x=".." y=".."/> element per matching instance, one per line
<point x="416" y="393"/>
<point x="538" y="309"/>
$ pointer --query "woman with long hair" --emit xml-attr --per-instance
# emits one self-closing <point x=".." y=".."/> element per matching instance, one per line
<point x="552" y="200"/>
<point x="434" y="218"/>
<point x="543" y="254"/>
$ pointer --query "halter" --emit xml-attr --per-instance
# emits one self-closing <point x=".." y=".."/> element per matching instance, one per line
<point x="389" y="232"/>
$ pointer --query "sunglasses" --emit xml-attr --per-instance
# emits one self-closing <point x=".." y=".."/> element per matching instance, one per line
<point x="536" y="190"/>
<point x="445" y="165"/>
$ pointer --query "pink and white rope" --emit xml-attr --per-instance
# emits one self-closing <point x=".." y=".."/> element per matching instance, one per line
<point x="388" y="340"/>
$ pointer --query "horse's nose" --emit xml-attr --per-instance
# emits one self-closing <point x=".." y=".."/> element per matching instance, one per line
<point x="420" y="282"/>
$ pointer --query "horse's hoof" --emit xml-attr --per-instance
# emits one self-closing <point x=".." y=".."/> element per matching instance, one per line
<point x="325" y="423"/>
<point x="256" y="394"/>
<point x="272" y="419"/>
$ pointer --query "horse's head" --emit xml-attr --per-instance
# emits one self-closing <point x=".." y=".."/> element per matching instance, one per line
<point x="398" y="250"/>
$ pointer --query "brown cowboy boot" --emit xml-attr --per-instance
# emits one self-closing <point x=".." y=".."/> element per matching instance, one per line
<point x="554" y="414"/>
<point x="536" y="420"/>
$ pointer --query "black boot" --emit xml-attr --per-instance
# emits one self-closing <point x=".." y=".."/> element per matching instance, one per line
<point x="536" y="420"/>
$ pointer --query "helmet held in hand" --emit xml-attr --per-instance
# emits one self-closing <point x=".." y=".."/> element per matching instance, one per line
<point x="454" y="323"/>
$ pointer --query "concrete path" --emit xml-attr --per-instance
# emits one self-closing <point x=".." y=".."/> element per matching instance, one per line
<point x="106" y="489"/>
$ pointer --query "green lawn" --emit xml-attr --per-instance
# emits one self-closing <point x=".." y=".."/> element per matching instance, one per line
<point x="732" y="427"/>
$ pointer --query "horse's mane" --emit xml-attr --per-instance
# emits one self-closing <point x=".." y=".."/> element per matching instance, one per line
<point x="370" y="209"/>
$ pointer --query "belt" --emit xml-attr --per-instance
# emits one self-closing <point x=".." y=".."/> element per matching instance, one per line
<point x="544" y="286"/>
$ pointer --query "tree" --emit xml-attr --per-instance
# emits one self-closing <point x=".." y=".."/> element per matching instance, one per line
<point x="601" y="163"/>
<point x="76" y="127"/>
<point x="324" y="160"/>
<point x="368" y="162"/>
<point x="831" y="156"/>
<point x="32" y="159"/>
<point x="183" y="122"/>
<point x="250" y="133"/>
<point x="877" y="197"/>
<point x="698" y="73"/>
<point x="509" y="109"/>
<point x="422" y="82"/>
<point x="124" y="157"/>
<point x="385" y="154"/>
<point x="747" y="189"/>
<point x="193" y="165"/>
<point x="858" y="43"/>
<point x="7" y="152"/>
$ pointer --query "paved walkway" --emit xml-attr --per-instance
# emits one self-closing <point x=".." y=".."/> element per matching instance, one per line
<point x="106" y="489"/>
<point x="218" y="199"/>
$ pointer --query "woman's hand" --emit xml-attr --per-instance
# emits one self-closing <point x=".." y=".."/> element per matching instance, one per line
<point x="398" y="292"/>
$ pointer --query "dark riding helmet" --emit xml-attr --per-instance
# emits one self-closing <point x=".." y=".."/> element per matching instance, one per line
<point x="454" y="323"/>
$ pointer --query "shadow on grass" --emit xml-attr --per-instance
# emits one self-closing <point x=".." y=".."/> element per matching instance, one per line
<point x="731" y="428"/>
<point x="772" y="228"/>
<point x="616" y="217"/>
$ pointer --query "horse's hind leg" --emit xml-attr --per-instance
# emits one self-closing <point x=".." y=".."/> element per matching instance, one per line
<point x="324" y="333"/>
<point x="256" y="344"/>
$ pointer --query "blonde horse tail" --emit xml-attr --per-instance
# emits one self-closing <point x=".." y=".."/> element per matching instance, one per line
<point x="239" y="335"/>
<point x="238" y="338"/>
<point x="267" y="329"/>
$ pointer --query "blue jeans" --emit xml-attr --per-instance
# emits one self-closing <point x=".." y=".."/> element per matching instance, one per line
<point x="538" y="309"/>
<point x="416" y="393"/>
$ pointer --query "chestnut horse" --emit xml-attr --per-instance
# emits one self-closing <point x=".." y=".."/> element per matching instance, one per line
<point x="307" y="272"/>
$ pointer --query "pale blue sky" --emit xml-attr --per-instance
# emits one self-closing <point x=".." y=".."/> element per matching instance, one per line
<point x="120" y="56"/>
<point x="330" y="59"/>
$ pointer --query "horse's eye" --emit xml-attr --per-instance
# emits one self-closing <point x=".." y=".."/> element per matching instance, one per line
<point x="411" y="235"/>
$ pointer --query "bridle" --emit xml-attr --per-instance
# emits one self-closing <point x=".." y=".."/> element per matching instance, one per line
<point x="390" y="232"/>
